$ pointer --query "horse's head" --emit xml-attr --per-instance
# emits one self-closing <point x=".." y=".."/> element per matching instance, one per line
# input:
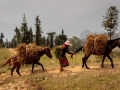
<point x="118" y="44"/>
<point x="114" y="43"/>
<point x="47" y="52"/>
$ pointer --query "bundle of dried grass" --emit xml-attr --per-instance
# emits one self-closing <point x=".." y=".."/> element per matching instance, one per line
<point x="27" y="53"/>
<point x="100" y="44"/>
<point x="32" y="52"/>
<point x="89" y="44"/>
<point x="21" y="52"/>
<point x="58" y="51"/>
<point x="31" y="48"/>
<point x="95" y="44"/>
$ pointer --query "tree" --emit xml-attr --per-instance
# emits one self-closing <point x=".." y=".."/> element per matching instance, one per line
<point x="18" y="36"/>
<point x="1" y="39"/>
<point x="48" y="41"/>
<point x="7" y="44"/>
<point x="60" y="39"/>
<point x="76" y="43"/>
<point x="51" y="35"/>
<point x="13" y="42"/>
<point x="38" y="31"/>
<point x="110" y="22"/>
<point x="30" y="35"/>
<point x="43" y="41"/>
<point x="24" y="30"/>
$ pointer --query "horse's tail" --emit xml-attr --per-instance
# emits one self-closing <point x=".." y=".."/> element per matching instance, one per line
<point x="77" y="51"/>
<point x="8" y="62"/>
<point x="80" y="49"/>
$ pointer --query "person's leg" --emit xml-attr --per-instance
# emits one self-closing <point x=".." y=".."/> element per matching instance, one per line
<point x="61" y="69"/>
<point x="61" y="63"/>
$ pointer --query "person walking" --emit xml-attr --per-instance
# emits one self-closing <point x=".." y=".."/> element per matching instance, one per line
<point x="63" y="59"/>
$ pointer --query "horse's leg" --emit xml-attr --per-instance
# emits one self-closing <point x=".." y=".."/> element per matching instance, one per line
<point x="12" y="70"/>
<point x="84" y="59"/>
<point x="33" y="67"/>
<point x="18" y="68"/>
<point x="103" y="61"/>
<point x="40" y="65"/>
<point x="111" y="61"/>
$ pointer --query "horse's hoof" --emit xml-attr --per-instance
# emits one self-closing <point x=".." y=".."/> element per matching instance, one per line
<point x="82" y="66"/>
<point x="19" y="74"/>
<point x="87" y="67"/>
<point x="44" y="70"/>
<point x="112" y="66"/>
<point x="102" y="66"/>
<point x="32" y="73"/>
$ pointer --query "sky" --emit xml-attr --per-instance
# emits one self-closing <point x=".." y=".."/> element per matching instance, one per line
<point x="74" y="16"/>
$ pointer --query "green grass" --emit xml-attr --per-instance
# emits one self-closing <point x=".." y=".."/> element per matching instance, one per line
<point x="94" y="79"/>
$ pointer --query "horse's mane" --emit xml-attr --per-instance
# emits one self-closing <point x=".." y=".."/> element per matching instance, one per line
<point x="43" y="48"/>
<point x="111" y="41"/>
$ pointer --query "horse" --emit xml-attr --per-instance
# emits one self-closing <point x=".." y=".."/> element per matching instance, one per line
<point x="110" y="45"/>
<point x="16" y="64"/>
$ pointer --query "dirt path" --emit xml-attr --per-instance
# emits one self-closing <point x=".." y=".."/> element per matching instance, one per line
<point x="12" y="51"/>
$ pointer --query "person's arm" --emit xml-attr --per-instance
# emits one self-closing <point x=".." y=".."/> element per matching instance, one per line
<point x="69" y="52"/>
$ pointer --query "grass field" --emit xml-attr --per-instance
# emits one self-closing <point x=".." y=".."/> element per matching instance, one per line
<point x="73" y="78"/>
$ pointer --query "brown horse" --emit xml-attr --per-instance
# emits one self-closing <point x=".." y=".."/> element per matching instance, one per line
<point x="14" y="62"/>
<point x="111" y="44"/>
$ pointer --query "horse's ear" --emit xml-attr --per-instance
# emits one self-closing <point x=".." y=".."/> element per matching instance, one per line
<point x="47" y="45"/>
<point x="46" y="49"/>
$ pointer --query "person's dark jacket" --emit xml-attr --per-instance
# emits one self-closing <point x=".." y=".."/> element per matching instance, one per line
<point x="65" y="50"/>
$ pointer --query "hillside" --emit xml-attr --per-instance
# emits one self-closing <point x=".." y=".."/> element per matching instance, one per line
<point x="73" y="77"/>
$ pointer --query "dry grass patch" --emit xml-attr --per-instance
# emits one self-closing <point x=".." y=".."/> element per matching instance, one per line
<point x="73" y="78"/>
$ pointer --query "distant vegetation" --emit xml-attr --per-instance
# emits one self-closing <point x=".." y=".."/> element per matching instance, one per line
<point x="24" y="34"/>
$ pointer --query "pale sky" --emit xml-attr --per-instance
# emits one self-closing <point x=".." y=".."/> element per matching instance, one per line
<point x="74" y="16"/>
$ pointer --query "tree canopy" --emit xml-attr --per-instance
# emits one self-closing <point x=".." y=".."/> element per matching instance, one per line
<point x="110" y="22"/>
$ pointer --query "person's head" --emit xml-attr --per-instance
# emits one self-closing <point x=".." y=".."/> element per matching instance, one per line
<point x="67" y="43"/>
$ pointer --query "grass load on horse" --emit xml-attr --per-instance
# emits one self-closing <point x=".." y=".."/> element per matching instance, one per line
<point x="98" y="45"/>
<point x="27" y="54"/>
<point x="95" y="44"/>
